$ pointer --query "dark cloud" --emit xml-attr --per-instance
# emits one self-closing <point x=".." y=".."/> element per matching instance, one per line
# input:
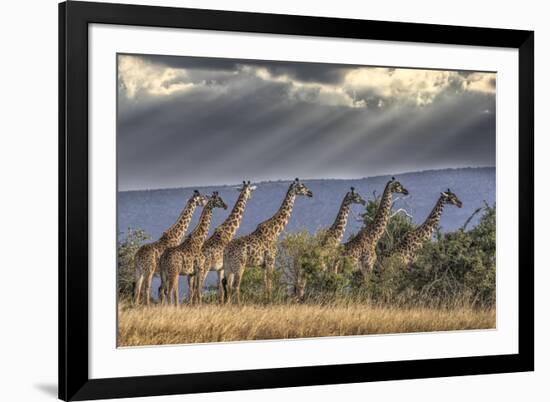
<point x="307" y="72"/>
<point x="253" y="129"/>
<point x="202" y="63"/>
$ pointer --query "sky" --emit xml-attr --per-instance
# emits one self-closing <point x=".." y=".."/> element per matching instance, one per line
<point x="194" y="121"/>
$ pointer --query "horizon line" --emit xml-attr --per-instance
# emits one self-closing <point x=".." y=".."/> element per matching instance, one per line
<point x="306" y="179"/>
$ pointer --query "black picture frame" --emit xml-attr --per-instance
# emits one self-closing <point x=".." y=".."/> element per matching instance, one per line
<point x="74" y="381"/>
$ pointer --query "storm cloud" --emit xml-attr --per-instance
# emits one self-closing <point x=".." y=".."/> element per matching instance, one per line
<point x="186" y="121"/>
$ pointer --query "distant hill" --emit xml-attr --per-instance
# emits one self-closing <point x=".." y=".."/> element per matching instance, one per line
<point x="156" y="210"/>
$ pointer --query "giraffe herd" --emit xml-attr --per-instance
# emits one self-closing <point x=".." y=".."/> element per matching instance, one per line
<point x="172" y="256"/>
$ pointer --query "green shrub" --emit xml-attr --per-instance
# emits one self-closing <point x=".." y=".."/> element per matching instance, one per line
<point x="253" y="289"/>
<point x="455" y="267"/>
<point x="127" y="248"/>
<point x="308" y="267"/>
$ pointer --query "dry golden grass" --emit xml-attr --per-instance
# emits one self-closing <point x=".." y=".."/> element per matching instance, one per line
<point x="157" y="325"/>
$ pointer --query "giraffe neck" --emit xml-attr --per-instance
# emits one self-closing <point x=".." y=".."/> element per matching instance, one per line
<point x="229" y="227"/>
<point x="275" y="225"/>
<point x="198" y="235"/>
<point x="382" y="214"/>
<point x="413" y="240"/>
<point x="174" y="234"/>
<point x="371" y="233"/>
<point x="427" y="228"/>
<point x="336" y="231"/>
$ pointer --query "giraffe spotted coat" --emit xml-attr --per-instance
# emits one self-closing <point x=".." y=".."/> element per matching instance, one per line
<point x="361" y="249"/>
<point x="259" y="248"/>
<point x="407" y="248"/>
<point x="183" y="259"/>
<point x="146" y="259"/>
<point x="214" y="247"/>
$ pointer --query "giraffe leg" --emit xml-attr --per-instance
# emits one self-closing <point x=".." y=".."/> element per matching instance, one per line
<point x="190" y="288"/>
<point x="169" y="298"/>
<point x="194" y="280"/>
<point x="226" y="280"/>
<point x="367" y="264"/>
<point x="233" y="265"/>
<point x="138" y="276"/>
<point x="200" y="286"/>
<point x="219" y="274"/>
<point x="148" y="282"/>
<point x="228" y="288"/>
<point x="137" y="289"/>
<point x="173" y="293"/>
<point x="267" y="285"/>
<point x="162" y="294"/>
<point x="177" y="289"/>
<point x="199" y="281"/>
<point x="269" y="267"/>
<point x="237" y="284"/>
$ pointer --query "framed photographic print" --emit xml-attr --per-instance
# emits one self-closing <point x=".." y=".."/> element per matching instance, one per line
<point x="258" y="201"/>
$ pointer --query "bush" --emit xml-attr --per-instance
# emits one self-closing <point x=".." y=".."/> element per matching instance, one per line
<point x="127" y="248"/>
<point x="307" y="267"/>
<point x="253" y="289"/>
<point x="453" y="268"/>
<point x="456" y="267"/>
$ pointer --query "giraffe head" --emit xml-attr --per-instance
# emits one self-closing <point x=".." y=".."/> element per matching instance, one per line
<point x="246" y="189"/>
<point x="216" y="201"/>
<point x="299" y="188"/>
<point x="396" y="187"/>
<point x="353" y="197"/>
<point x="449" y="197"/>
<point x="197" y="199"/>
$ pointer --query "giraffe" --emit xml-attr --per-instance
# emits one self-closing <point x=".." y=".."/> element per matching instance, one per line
<point x="332" y="237"/>
<point x="361" y="249"/>
<point x="335" y="233"/>
<point x="406" y="249"/>
<point x="259" y="248"/>
<point x="213" y="248"/>
<point x="146" y="258"/>
<point x="183" y="259"/>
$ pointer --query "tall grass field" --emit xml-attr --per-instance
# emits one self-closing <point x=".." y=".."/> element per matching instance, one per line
<point x="158" y="325"/>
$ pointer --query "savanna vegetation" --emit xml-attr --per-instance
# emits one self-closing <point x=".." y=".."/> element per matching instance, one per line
<point x="450" y="286"/>
<point x="166" y="324"/>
